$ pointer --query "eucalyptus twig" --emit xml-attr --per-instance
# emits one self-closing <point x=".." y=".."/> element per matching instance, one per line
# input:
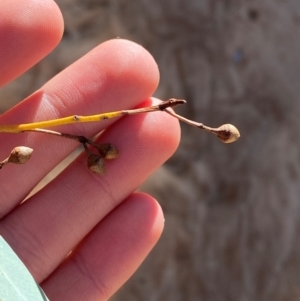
<point x="18" y="128"/>
<point x="227" y="133"/>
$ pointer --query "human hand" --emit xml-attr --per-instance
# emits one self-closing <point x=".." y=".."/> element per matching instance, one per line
<point x="109" y="228"/>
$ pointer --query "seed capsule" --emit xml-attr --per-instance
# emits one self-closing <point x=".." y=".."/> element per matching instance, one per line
<point x="20" y="155"/>
<point x="96" y="164"/>
<point x="228" y="133"/>
<point x="107" y="151"/>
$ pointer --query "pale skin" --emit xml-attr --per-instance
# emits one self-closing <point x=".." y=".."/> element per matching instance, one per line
<point x="110" y="227"/>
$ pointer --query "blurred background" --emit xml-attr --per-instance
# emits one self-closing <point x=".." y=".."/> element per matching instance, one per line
<point x="232" y="211"/>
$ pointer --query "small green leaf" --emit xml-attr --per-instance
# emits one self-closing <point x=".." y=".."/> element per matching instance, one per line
<point x="16" y="283"/>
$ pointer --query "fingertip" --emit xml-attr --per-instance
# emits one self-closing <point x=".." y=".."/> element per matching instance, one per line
<point x="159" y="133"/>
<point x="168" y="132"/>
<point x="53" y="23"/>
<point x="131" y="62"/>
<point x="29" y="30"/>
<point x="149" y="216"/>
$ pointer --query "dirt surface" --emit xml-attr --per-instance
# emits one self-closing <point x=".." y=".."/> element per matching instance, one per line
<point x="232" y="212"/>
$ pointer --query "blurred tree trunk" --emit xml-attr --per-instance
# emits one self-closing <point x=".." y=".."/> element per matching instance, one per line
<point x="232" y="211"/>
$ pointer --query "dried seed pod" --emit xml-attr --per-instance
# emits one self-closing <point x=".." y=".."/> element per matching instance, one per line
<point x="228" y="133"/>
<point x="96" y="164"/>
<point x="20" y="155"/>
<point x="107" y="151"/>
